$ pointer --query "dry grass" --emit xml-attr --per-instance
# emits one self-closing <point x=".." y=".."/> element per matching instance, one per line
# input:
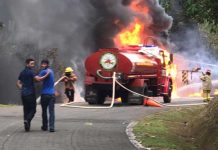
<point x="205" y="127"/>
<point x="168" y="130"/>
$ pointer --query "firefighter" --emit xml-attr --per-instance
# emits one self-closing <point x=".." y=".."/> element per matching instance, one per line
<point x="69" y="78"/>
<point x="206" y="85"/>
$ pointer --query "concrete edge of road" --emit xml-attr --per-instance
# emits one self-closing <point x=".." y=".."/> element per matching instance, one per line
<point x="132" y="137"/>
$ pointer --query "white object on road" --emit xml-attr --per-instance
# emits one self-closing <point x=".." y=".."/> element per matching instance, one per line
<point x="89" y="107"/>
<point x="113" y="97"/>
<point x="136" y="92"/>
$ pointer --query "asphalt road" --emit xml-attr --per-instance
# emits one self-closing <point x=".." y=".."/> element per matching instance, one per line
<point x="76" y="129"/>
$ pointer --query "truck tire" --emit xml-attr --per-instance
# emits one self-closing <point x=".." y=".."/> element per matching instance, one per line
<point x="167" y="98"/>
<point x="145" y="89"/>
<point x="91" y="99"/>
<point x="101" y="97"/>
<point x="136" y="100"/>
<point x="124" y="96"/>
<point x="92" y="103"/>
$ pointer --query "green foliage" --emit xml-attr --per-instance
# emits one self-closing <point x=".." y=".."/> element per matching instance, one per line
<point x="201" y="10"/>
<point x="205" y="127"/>
<point x="210" y="31"/>
<point x="167" y="130"/>
<point x="165" y="4"/>
<point x="205" y="12"/>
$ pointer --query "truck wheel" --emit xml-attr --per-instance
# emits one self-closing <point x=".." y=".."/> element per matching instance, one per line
<point x="101" y="97"/>
<point x="98" y="99"/>
<point x="145" y="89"/>
<point x="92" y="103"/>
<point x="167" y="98"/>
<point x="136" y="100"/>
<point x="91" y="95"/>
<point x="124" y="97"/>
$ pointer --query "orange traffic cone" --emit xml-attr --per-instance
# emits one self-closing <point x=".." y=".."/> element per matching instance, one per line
<point x="149" y="102"/>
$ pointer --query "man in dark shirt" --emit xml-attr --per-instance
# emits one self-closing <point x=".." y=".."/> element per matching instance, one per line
<point x="26" y="84"/>
<point x="47" y="96"/>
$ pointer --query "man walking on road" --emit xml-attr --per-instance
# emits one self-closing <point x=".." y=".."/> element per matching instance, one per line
<point x="47" y="97"/>
<point x="26" y="84"/>
<point x="206" y="85"/>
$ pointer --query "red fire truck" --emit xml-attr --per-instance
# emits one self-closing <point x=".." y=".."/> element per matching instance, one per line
<point x="140" y="68"/>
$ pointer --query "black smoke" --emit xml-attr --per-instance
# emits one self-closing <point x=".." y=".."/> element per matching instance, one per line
<point x="157" y="21"/>
<point x="75" y="27"/>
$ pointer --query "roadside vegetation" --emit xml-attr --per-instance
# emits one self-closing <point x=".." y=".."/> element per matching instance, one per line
<point x="181" y="128"/>
<point x="186" y="128"/>
<point x="2" y="105"/>
<point x="168" y="130"/>
<point x="205" y="13"/>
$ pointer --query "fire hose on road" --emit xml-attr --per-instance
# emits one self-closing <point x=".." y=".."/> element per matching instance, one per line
<point x="113" y="96"/>
<point x="87" y="107"/>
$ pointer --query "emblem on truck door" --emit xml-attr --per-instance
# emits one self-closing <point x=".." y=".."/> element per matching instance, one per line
<point x="108" y="61"/>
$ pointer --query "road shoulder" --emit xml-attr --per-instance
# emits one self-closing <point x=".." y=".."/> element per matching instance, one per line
<point x="168" y="130"/>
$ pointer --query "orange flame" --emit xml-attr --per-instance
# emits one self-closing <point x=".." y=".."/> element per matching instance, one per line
<point x="197" y="94"/>
<point x="172" y="71"/>
<point x="135" y="34"/>
<point x="139" y="8"/>
<point x="130" y="36"/>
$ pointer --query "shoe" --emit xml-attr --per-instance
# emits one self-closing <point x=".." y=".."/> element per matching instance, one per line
<point x="52" y="130"/>
<point x="44" y="128"/>
<point x="26" y="126"/>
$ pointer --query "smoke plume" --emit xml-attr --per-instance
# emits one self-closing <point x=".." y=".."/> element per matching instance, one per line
<point x="75" y="27"/>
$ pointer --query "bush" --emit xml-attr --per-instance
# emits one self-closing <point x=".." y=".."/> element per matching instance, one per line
<point x="205" y="127"/>
<point x="201" y="10"/>
<point x="210" y="32"/>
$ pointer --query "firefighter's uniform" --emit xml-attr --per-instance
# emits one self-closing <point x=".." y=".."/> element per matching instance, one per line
<point x="69" y="79"/>
<point x="206" y="86"/>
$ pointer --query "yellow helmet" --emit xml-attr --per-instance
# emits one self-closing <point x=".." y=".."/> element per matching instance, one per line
<point x="68" y="69"/>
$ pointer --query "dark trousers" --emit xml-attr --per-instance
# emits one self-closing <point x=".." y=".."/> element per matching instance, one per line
<point x="29" y="107"/>
<point x="70" y="94"/>
<point x="47" y="102"/>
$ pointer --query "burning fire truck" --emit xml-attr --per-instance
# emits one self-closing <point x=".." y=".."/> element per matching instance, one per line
<point x="140" y="68"/>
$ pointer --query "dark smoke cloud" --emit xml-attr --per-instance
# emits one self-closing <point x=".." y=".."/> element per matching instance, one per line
<point x="126" y="2"/>
<point x="75" y="27"/>
<point x="157" y="21"/>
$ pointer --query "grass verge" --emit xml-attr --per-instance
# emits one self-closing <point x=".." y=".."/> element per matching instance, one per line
<point x="168" y="130"/>
<point x="4" y="105"/>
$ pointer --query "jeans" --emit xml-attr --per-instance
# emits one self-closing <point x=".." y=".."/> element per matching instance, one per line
<point x="29" y="107"/>
<point x="47" y="102"/>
